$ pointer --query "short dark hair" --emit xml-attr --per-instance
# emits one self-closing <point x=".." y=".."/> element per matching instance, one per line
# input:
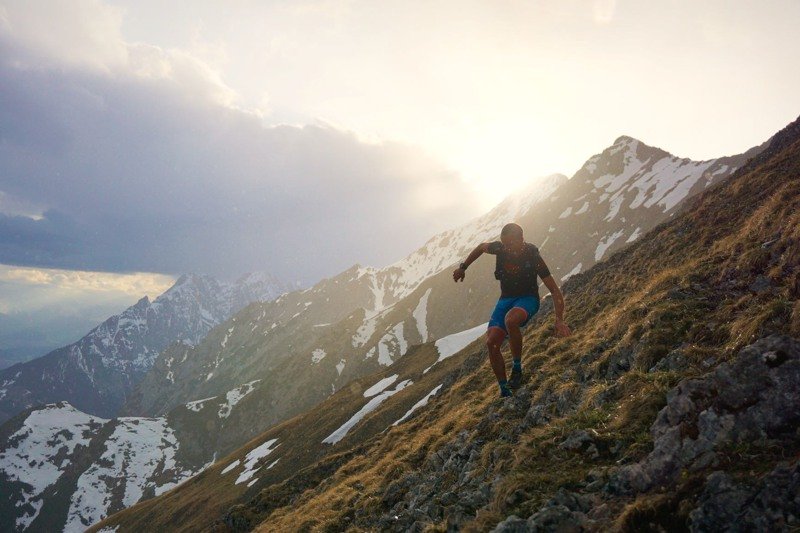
<point x="511" y="228"/>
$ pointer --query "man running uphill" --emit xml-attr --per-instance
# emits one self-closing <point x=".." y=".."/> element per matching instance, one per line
<point x="518" y="264"/>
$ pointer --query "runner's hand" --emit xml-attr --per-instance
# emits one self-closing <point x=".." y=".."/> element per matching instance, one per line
<point x="562" y="329"/>
<point x="458" y="275"/>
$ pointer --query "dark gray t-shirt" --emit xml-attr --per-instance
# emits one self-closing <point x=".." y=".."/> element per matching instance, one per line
<point x="518" y="271"/>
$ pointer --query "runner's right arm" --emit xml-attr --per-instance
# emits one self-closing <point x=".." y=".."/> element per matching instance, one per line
<point x="459" y="273"/>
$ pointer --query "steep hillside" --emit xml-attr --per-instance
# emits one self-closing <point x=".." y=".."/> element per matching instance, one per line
<point x="97" y="372"/>
<point x="278" y="359"/>
<point x="673" y="406"/>
<point x="315" y="341"/>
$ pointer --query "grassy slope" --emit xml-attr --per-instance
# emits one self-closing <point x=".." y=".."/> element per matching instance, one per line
<point x="684" y="288"/>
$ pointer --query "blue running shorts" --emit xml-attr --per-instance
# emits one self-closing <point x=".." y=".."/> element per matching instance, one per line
<point x="529" y="303"/>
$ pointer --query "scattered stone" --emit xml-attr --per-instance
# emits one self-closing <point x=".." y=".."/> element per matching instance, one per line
<point x="512" y="524"/>
<point x="576" y="440"/>
<point x="760" y="285"/>
<point x="674" y="361"/>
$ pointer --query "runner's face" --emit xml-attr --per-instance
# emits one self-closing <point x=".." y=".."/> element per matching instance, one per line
<point x="512" y="240"/>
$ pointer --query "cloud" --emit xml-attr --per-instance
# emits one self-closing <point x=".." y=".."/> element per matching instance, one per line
<point x="141" y="161"/>
<point x="136" y="284"/>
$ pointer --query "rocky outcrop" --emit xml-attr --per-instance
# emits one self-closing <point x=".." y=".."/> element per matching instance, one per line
<point x="753" y="399"/>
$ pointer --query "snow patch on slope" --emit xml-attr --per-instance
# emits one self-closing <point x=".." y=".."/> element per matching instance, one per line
<point x="373" y="404"/>
<point x="420" y="314"/>
<point x="318" y="355"/>
<point x="423" y="402"/>
<point x="232" y="397"/>
<point x="380" y="386"/>
<point x="42" y="449"/>
<point x="253" y="457"/>
<point x="138" y="450"/>
<point x="604" y="243"/>
<point x="452" y="344"/>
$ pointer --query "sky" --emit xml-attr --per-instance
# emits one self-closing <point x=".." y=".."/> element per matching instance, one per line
<point x="141" y="139"/>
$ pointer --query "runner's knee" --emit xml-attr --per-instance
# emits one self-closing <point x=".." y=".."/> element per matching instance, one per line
<point x="495" y="337"/>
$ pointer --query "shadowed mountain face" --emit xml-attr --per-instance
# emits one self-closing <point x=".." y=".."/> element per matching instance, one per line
<point x="97" y="372"/>
<point x="672" y="406"/>
<point x="274" y="360"/>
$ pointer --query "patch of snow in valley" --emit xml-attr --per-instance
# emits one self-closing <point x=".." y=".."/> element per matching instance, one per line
<point x="423" y="402"/>
<point x="318" y="355"/>
<point x="583" y="209"/>
<point x="394" y="339"/>
<point x="230" y="467"/>
<point x="634" y="235"/>
<point x="373" y="404"/>
<point x="340" y="366"/>
<point x="232" y="397"/>
<point x="225" y="340"/>
<point x="365" y="331"/>
<point x="567" y="212"/>
<point x="196" y="405"/>
<point x="7" y="383"/>
<point x="614" y="205"/>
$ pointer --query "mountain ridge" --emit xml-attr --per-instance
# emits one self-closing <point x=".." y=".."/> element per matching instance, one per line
<point x="278" y="359"/>
<point x="660" y="327"/>
<point x="96" y="372"/>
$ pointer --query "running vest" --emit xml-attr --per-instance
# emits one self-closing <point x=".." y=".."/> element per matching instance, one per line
<point x="517" y="273"/>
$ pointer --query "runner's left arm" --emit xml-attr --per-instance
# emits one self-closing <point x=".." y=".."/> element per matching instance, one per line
<point x="562" y="330"/>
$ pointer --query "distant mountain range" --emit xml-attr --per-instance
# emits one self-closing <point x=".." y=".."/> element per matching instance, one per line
<point x="277" y="359"/>
<point x="96" y="373"/>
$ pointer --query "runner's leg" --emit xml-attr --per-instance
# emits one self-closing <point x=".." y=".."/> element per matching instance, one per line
<point x="514" y="318"/>
<point x="494" y="339"/>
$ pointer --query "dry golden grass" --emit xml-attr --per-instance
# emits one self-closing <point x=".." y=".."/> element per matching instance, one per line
<point x="710" y="320"/>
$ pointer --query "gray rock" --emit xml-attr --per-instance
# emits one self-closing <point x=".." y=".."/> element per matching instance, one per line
<point x="674" y="361"/>
<point x="576" y="440"/>
<point x="770" y="504"/>
<point x="557" y="518"/>
<point x="512" y="524"/>
<point x="760" y="285"/>
<point x="753" y="398"/>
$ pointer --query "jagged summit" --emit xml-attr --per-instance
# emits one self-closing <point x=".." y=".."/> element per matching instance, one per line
<point x="97" y="372"/>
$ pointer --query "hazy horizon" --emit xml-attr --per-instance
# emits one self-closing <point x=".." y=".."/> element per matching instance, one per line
<point x="141" y="141"/>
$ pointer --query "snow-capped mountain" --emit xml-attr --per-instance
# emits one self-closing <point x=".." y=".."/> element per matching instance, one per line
<point x="97" y="372"/>
<point x="279" y="358"/>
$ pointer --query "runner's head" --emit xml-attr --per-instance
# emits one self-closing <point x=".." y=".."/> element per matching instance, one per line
<point x="511" y="235"/>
